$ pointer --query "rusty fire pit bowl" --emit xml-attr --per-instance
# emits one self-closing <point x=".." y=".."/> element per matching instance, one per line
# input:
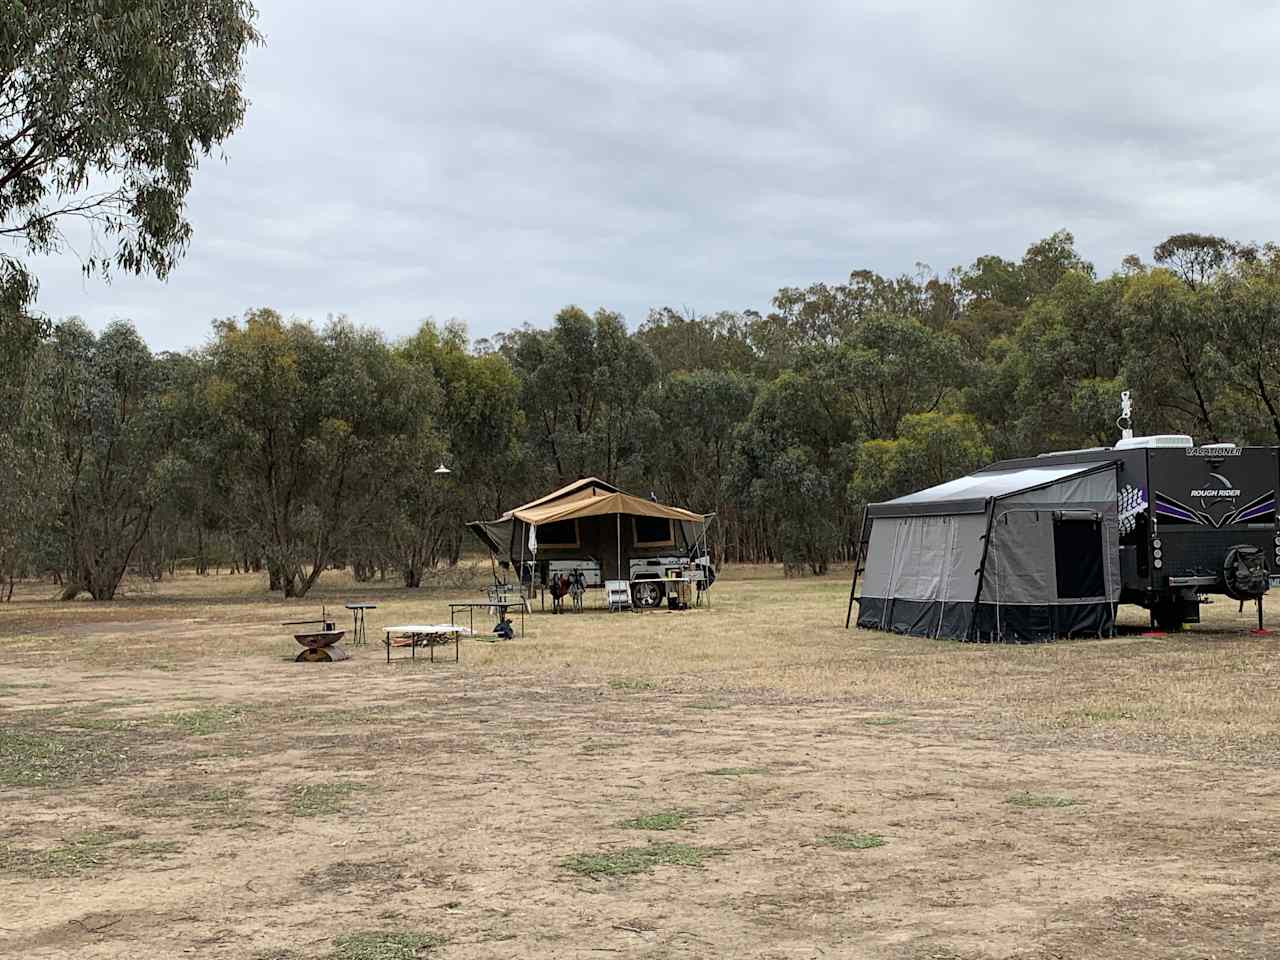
<point x="321" y="647"/>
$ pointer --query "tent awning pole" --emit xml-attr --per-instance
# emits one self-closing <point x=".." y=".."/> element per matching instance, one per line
<point x="619" y="518"/>
<point x="982" y="566"/>
<point x="857" y="557"/>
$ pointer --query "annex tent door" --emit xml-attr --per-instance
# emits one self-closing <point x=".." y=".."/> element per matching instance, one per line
<point x="1078" y="558"/>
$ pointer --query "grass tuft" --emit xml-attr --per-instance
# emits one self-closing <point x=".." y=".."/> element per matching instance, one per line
<point x="623" y="683"/>
<point x="344" y="874"/>
<point x="1040" y="800"/>
<point x="882" y="721"/>
<point x="735" y="771"/>
<point x="203" y="723"/>
<point x="852" y="841"/>
<point x="83" y="853"/>
<point x="384" y="946"/>
<point x="321" y="799"/>
<point x="11" y="689"/>
<point x="54" y="759"/>
<point x="667" y="820"/>
<point x="617" y="863"/>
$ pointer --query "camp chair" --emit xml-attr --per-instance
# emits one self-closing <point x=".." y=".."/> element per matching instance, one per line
<point x="617" y="594"/>
<point x="697" y="581"/>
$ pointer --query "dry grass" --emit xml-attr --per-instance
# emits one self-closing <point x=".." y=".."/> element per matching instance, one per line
<point x="164" y="751"/>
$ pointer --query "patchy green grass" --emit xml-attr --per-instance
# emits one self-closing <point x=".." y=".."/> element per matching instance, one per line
<point x="82" y="853"/>
<point x="624" y="683"/>
<point x="734" y="771"/>
<point x="882" y="721"/>
<point x="11" y="689"/>
<point x="617" y="863"/>
<point x="347" y="873"/>
<point x="153" y="848"/>
<point x="100" y="724"/>
<point x="321" y="799"/>
<point x="384" y="946"/>
<point x="34" y="758"/>
<point x="219" y="795"/>
<point x="709" y="705"/>
<point x="207" y="807"/>
<point x="223" y="809"/>
<point x="203" y="723"/>
<point x="852" y="841"/>
<point x="666" y="820"/>
<point x="1040" y="800"/>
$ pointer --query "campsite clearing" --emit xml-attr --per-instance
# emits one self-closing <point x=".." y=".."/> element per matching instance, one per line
<point x="171" y="784"/>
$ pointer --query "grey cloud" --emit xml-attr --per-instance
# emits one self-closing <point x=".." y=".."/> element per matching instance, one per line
<point x="495" y="161"/>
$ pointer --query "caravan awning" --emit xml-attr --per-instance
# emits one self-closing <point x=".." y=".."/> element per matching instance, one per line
<point x="602" y="505"/>
<point x="970" y="494"/>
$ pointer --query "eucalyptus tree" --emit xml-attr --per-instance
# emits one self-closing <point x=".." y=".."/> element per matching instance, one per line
<point x="580" y="383"/>
<point x="931" y="448"/>
<point x="113" y="435"/>
<point x="316" y="424"/>
<point x="106" y="107"/>
<point x="1245" y="351"/>
<point x="687" y="341"/>
<point x="479" y="414"/>
<point x="1168" y="327"/>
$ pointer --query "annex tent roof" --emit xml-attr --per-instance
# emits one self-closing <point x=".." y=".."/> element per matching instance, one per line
<point x="970" y="494"/>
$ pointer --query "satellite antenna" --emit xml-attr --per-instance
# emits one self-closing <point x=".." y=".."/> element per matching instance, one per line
<point x="1125" y="420"/>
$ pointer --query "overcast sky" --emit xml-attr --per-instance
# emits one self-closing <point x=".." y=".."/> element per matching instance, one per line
<point x="495" y="161"/>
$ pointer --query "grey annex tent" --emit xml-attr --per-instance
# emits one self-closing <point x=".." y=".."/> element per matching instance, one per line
<point x="1021" y="554"/>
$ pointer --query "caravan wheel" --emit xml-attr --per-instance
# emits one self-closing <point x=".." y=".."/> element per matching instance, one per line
<point x="647" y="593"/>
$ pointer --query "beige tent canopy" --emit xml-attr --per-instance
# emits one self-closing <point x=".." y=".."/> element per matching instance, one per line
<point x="588" y="517"/>
<point x="606" y="504"/>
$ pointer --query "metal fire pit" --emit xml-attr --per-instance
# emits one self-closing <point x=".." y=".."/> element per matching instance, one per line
<point x="321" y="647"/>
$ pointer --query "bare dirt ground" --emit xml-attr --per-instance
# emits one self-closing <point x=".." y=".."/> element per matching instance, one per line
<point x="172" y="784"/>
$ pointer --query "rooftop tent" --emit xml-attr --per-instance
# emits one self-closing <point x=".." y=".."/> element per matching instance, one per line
<point x="1020" y="554"/>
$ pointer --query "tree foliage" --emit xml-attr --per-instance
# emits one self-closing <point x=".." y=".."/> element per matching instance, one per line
<point x="106" y="107"/>
<point x="290" y="448"/>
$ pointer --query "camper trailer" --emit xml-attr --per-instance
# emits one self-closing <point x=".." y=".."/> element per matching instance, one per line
<point x="591" y="529"/>
<point x="1183" y="512"/>
<point x="1046" y="546"/>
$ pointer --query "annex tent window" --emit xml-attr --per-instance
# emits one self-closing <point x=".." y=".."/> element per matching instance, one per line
<point x="653" y="532"/>
<point x="561" y="533"/>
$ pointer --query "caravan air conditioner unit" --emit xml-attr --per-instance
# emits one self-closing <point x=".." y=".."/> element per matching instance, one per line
<point x="1160" y="440"/>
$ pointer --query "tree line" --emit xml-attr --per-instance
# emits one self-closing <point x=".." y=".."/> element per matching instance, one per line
<point x="289" y="447"/>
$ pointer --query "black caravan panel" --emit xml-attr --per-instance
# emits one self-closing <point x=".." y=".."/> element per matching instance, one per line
<point x="1213" y="487"/>
<point x="1205" y="500"/>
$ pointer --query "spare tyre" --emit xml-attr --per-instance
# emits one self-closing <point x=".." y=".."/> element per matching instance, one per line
<point x="1244" y="570"/>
